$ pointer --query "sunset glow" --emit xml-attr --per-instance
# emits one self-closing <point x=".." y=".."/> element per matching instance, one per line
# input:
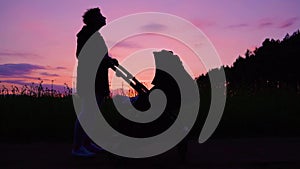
<point x="38" y="38"/>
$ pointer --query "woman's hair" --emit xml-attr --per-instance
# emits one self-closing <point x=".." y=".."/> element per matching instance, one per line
<point x="90" y="15"/>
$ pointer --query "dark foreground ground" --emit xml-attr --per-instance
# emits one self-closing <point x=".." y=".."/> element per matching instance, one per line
<point x="256" y="153"/>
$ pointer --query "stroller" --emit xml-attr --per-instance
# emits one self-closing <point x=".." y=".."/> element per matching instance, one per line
<point x="163" y="81"/>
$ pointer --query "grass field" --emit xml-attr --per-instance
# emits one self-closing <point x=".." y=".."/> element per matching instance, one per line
<point x="265" y="114"/>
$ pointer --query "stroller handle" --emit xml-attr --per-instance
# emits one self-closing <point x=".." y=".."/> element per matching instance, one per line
<point x="130" y="79"/>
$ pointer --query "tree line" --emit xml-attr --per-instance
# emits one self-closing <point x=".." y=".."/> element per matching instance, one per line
<point x="273" y="65"/>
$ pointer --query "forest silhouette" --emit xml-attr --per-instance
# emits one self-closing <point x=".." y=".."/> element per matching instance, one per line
<point x="263" y="89"/>
<point x="273" y="65"/>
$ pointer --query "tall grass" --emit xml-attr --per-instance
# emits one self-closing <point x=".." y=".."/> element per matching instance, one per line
<point x="35" y="90"/>
<point x="33" y="113"/>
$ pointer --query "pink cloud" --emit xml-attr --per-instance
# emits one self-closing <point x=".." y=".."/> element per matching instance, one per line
<point x="288" y="23"/>
<point x="201" y="23"/>
<point x="265" y="24"/>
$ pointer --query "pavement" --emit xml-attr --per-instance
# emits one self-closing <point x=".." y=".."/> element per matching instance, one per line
<point x="251" y="153"/>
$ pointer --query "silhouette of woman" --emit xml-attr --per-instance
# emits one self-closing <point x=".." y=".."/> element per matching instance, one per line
<point x="93" y="20"/>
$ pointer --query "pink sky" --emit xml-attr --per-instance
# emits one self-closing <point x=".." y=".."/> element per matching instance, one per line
<point x="38" y="38"/>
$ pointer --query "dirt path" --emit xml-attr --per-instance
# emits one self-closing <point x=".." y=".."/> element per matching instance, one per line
<point x="273" y="153"/>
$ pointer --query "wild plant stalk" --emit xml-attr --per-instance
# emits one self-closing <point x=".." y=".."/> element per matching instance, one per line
<point x="36" y="90"/>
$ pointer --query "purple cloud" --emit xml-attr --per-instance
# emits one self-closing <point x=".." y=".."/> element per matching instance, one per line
<point x="49" y="74"/>
<point x="128" y="45"/>
<point x="289" y="22"/>
<point x="56" y="87"/>
<point x="19" y="54"/>
<point x="242" y="25"/>
<point x="15" y="82"/>
<point x="20" y="69"/>
<point x="154" y="27"/>
<point x="265" y="24"/>
<point x="60" y="68"/>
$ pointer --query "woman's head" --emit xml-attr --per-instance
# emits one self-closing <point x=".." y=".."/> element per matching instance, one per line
<point x="93" y="17"/>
